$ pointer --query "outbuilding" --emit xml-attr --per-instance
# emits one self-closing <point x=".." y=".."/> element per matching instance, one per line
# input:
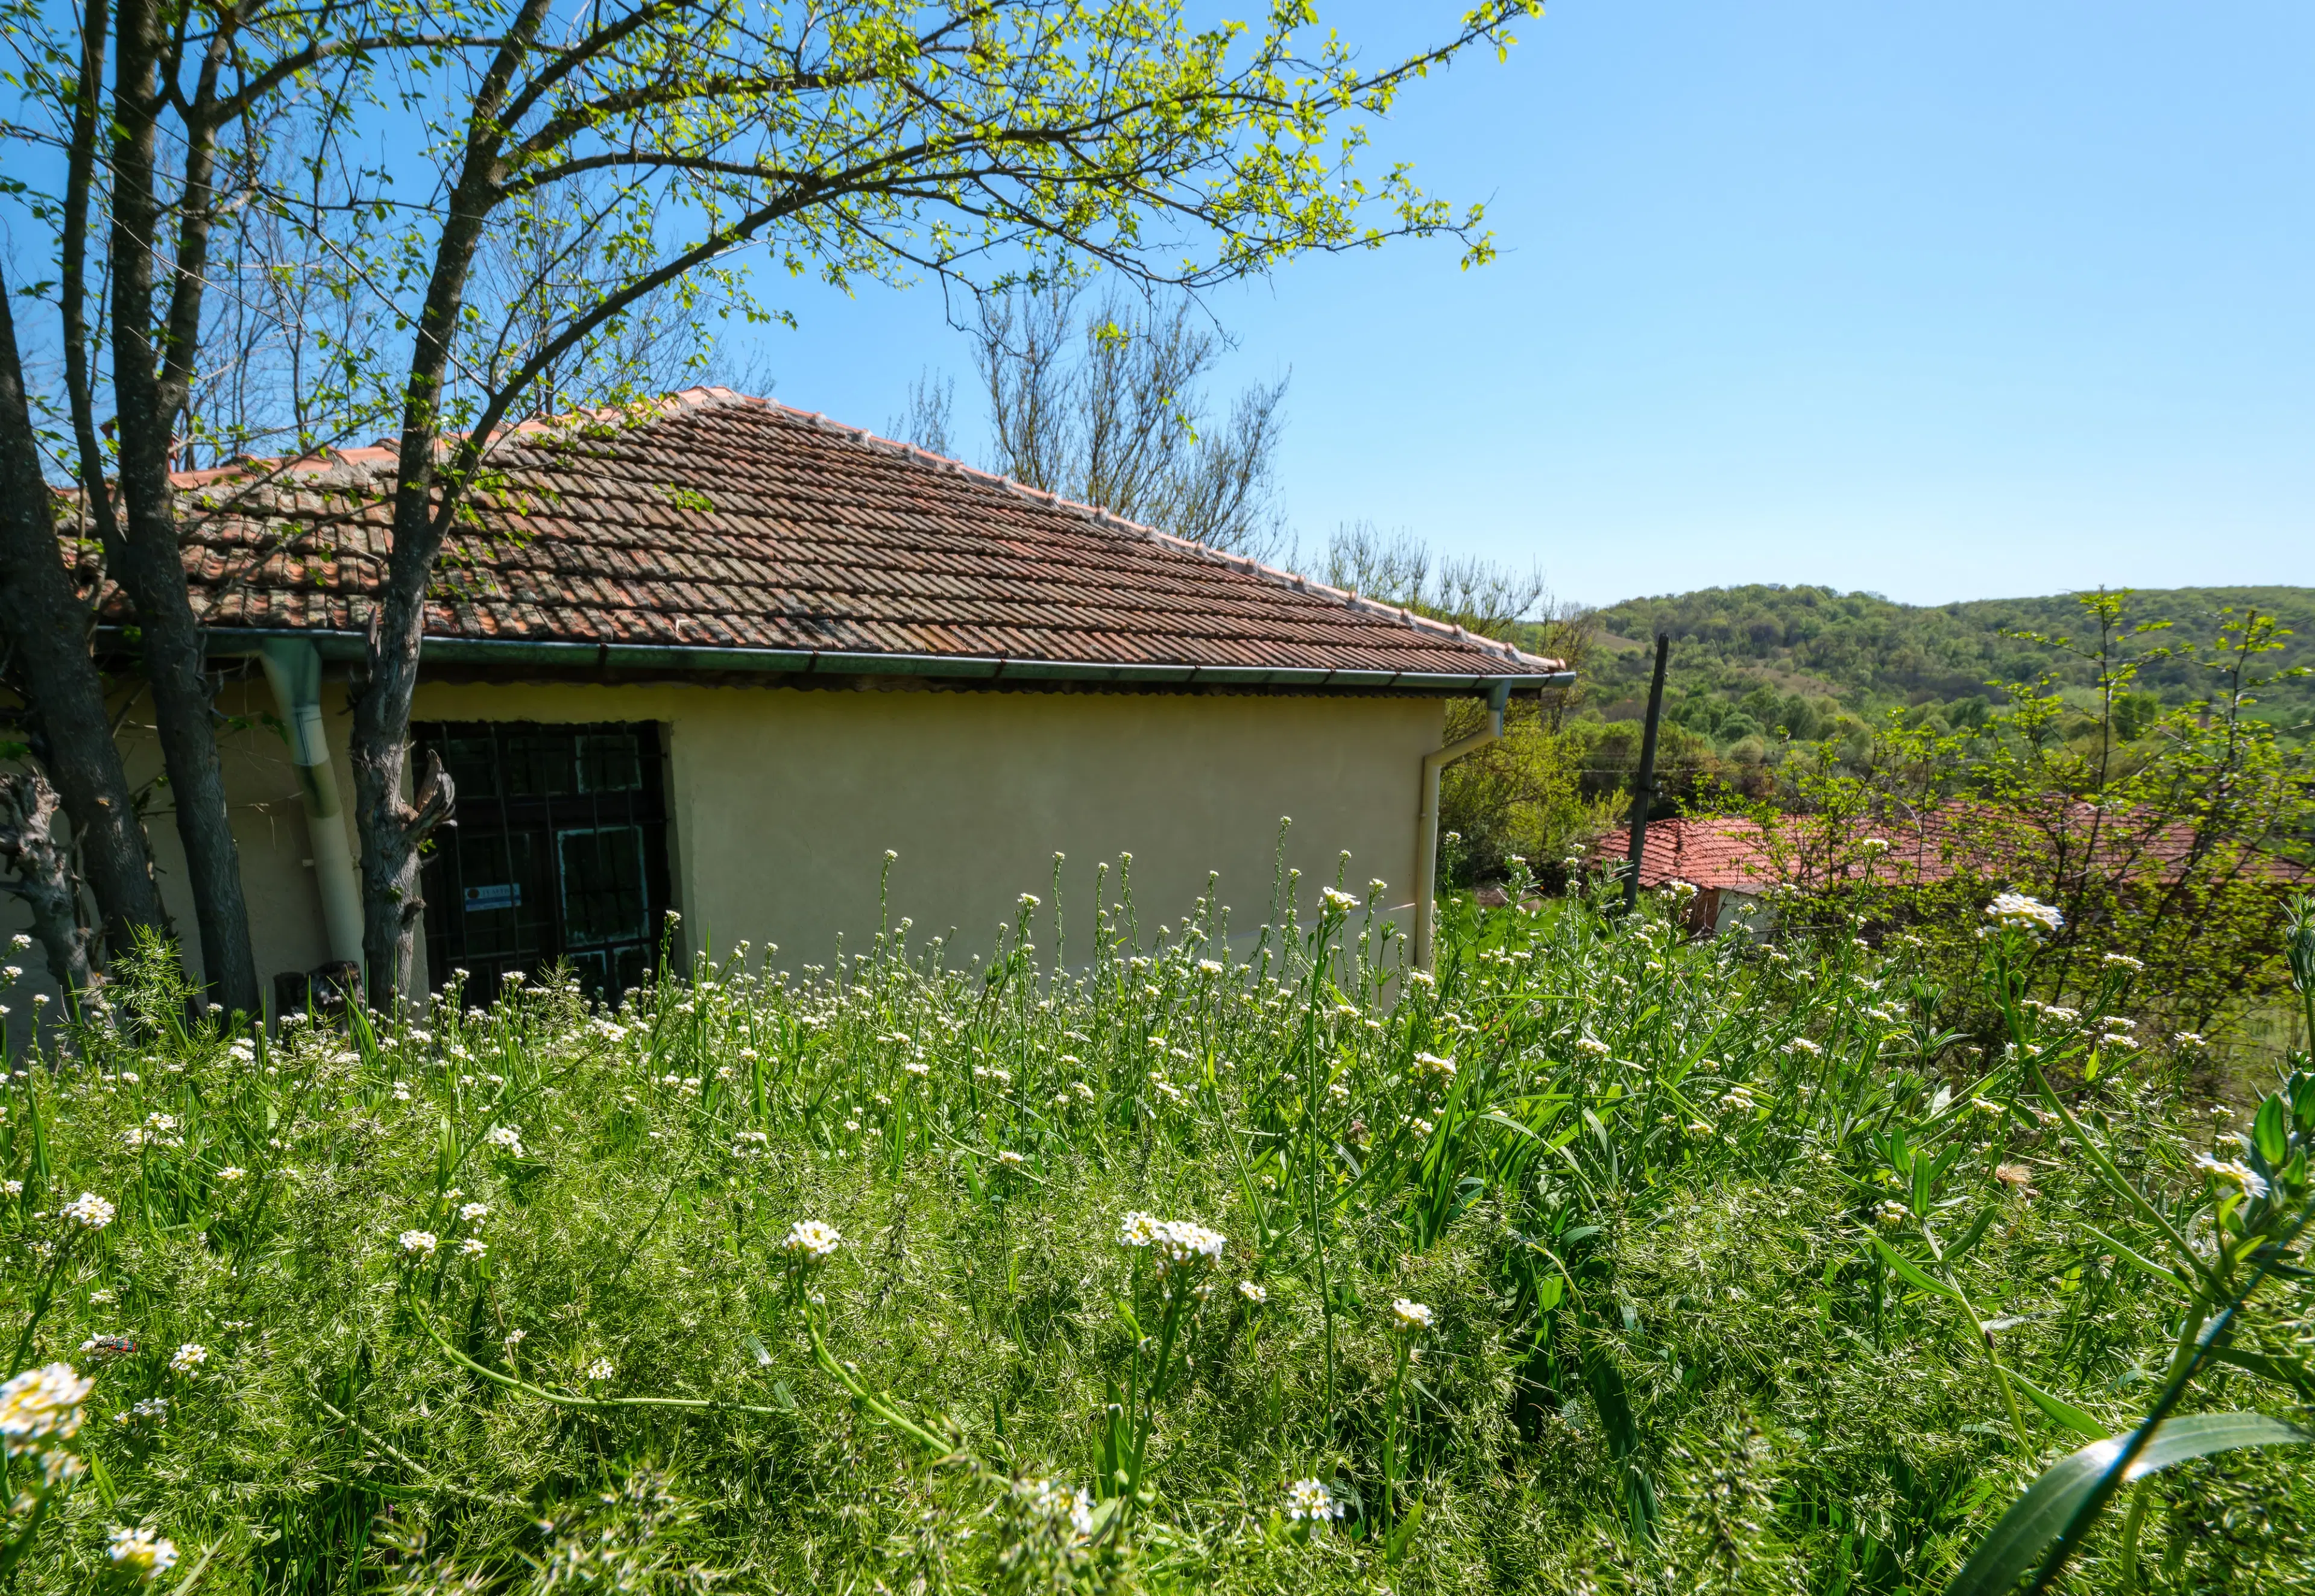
<point x="722" y="657"/>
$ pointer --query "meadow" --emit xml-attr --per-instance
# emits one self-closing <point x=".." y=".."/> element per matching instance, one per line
<point x="1603" y="1260"/>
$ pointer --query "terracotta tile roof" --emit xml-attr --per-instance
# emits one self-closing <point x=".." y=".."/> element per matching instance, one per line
<point x="1730" y="853"/>
<point x="733" y="523"/>
<point x="1708" y="853"/>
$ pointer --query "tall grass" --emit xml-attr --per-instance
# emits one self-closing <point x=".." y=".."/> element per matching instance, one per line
<point x="1605" y="1260"/>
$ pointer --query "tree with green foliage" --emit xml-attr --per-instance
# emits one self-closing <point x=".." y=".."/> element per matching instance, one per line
<point x="162" y="125"/>
<point x="2175" y="850"/>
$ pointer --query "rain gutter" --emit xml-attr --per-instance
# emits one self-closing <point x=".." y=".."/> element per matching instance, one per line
<point x="293" y="667"/>
<point x="627" y="656"/>
<point x="1426" y="822"/>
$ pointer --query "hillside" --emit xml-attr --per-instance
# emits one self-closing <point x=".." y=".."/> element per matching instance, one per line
<point x="1754" y="659"/>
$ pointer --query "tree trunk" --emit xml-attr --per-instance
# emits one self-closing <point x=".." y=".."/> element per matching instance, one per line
<point x="46" y="631"/>
<point x="29" y="845"/>
<point x="391" y="829"/>
<point x="149" y="385"/>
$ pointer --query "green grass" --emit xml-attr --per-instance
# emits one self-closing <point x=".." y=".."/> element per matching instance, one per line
<point x="1666" y="1352"/>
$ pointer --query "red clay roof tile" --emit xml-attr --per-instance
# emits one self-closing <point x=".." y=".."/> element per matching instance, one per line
<point x="812" y="536"/>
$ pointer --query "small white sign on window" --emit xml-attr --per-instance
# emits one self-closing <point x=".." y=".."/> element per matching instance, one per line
<point x="503" y="895"/>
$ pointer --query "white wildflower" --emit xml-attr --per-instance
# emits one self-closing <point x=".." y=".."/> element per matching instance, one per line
<point x="418" y="1242"/>
<point x="1407" y="1315"/>
<point x="189" y="1358"/>
<point x="1309" y="1499"/>
<point x="143" y="1553"/>
<point x="1174" y="1244"/>
<point x="1253" y="1292"/>
<point x="2242" y="1175"/>
<point x="2025" y="914"/>
<point x="41" y="1405"/>
<point x="812" y="1240"/>
<point x="89" y="1211"/>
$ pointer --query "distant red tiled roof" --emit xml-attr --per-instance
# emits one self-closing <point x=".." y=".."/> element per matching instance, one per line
<point x="1707" y="853"/>
<point x="1730" y="852"/>
<point x="733" y="523"/>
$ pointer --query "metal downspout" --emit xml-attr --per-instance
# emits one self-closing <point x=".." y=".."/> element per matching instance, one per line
<point x="293" y="668"/>
<point x="1426" y="825"/>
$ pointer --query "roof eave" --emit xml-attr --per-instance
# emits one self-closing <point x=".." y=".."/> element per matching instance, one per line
<point x="705" y="660"/>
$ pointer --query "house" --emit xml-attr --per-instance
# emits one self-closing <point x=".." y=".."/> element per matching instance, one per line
<point x="721" y="658"/>
<point x="1725" y="858"/>
<point x="2058" y="847"/>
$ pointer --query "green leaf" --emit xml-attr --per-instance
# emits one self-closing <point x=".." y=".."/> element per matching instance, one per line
<point x="2015" y="1544"/>
<point x="102" y="1478"/>
<point x="1973" y="1235"/>
<point x="2122" y="1251"/>
<point x="193" y="1575"/>
<point x="2270" y="1132"/>
<point x="2293" y="1375"/>
<point x="1908" y="1271"/>
<point x="2062" y="1412"/>
<point x="1394" y="1547"/>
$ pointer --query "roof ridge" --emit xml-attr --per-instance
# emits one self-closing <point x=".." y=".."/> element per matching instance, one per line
<point x="1108" y="519"/>
<point x="326" y="458"/>
<point x="547" y="447"/>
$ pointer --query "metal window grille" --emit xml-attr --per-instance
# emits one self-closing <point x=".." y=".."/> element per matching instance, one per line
<point x="556" y="852"/>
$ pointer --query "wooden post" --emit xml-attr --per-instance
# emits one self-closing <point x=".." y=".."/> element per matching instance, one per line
<point x="1644" y="789"/>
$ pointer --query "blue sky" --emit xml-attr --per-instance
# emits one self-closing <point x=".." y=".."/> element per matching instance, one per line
<point x="1946" y="302"/>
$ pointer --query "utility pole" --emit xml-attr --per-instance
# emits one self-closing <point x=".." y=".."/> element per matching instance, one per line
<point x="1644" y="790"/>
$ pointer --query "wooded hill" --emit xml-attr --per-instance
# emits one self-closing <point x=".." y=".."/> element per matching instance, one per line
<point x="1759" y="660"/>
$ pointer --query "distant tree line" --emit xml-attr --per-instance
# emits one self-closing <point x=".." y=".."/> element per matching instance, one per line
<point x="1765" y="661"/>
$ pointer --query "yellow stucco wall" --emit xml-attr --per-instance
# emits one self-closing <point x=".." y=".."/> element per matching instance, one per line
<point x="782" y="802"/>
<point x="269" y="826"/>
